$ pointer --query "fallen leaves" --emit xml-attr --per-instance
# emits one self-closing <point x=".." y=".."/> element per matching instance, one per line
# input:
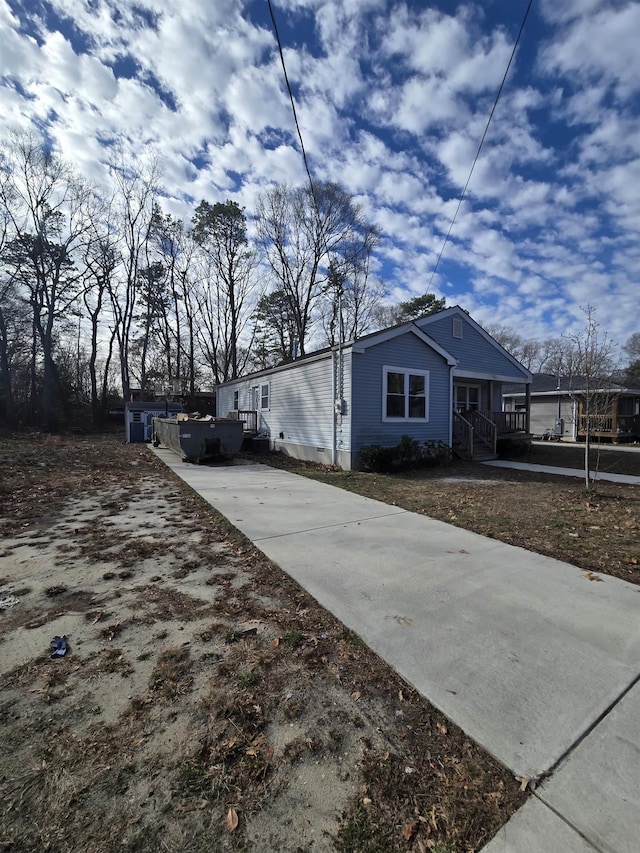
<point x="409" y="830"/>
<point x="232" y="820"/>
<point x="592" y="576"/>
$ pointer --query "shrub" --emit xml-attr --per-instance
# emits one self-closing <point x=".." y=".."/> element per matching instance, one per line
<point x="436" y="453"/>
<point x="408" y="453"/>
<point x="377" y="459"/>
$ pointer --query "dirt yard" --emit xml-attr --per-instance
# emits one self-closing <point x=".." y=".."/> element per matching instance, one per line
<point x="205" y="702"/>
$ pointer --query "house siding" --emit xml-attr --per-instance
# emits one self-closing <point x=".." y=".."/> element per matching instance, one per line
<point x="406" y="351"/>
<point x="301" y="407"/>
<point x="544" y="412"/>
<point x="473" y="352"/>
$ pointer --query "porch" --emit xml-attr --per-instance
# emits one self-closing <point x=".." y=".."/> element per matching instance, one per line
<point x="612" y="427"/>
<point x="476" y="433"/>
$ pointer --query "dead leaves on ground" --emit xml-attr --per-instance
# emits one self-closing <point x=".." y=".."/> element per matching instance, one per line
<point x="232" y="820"/>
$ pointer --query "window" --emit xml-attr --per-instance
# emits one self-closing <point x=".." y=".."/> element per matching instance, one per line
<point x="457" y="327"/>
<point x="405" y="394"/>
<point x="264" y="396"/>
<point x="236" y="401"/>
<point x="467" y="398"/>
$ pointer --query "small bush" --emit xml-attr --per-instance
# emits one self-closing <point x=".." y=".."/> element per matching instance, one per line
<point x="377" y="458"/>
<point x="408" y="453"/>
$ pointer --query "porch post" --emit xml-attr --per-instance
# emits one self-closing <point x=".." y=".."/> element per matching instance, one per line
<point x="527" y="417"/>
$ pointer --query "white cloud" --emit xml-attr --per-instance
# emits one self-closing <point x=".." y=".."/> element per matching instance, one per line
<point x="602" y="46"/>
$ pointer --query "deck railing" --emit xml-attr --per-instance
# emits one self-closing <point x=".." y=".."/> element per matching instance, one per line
<point x="462" y="434"/>
<point x="609" y="425"/>
<point x="249" y="418"/>
<point x="484" y="429"/>
<point x="508" y="422"/>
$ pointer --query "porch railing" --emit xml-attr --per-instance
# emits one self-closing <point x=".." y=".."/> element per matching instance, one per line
<point x="609" y="425"/>
<point x="462" y="434"/>
<point x="474" y="433"/>
<point x="249" y="418"/>
<point x="508" y="422"/>
<point x="484" y="429"/>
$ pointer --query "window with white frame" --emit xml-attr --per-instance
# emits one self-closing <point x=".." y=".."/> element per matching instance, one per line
<point x="236" y="401"/>
<point x="457" y="327"/>
<point x="405" y="394"/>
<point x="264" y="396"/>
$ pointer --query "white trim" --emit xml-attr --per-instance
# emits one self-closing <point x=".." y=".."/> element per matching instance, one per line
<point x="390" y="334"/>
<point x="261" y="395"/>
<point x="406" y="372"/>
<point x="459" y="373"/>
<point x="456" y="309"/>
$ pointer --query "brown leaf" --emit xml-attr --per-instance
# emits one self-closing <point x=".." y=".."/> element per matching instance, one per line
<point x="591" y="576"/>
<point x="232" y="820"/>
<point x="410" y="829"/>
<point x="462" y="551"/>
<point x="442" y="728"/>
<point x="275" y="642"/>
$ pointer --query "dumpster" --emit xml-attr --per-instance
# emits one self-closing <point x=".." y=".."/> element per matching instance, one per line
<point x="199" y="439"/>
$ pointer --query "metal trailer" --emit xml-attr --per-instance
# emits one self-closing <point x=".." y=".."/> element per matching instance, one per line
<point x="199" y="439"/>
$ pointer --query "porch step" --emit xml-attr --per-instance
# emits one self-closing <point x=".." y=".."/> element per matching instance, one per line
<point x="484" y="457"/>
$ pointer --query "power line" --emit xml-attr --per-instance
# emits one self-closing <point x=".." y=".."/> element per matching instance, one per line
<point x="293" y="106"/>
<point x="484" y="136"/>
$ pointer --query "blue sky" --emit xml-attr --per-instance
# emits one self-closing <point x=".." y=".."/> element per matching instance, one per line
<point x="392" y="99"/>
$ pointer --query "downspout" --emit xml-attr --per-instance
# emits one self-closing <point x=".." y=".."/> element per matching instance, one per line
<point x="451" y="405"/>
<point x="334" y="437"/>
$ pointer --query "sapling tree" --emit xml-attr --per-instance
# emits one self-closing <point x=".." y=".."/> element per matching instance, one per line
<point x="591" y="365"/>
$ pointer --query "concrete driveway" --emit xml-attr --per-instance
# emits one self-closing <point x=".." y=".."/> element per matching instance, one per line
<point x="534" y="661"/>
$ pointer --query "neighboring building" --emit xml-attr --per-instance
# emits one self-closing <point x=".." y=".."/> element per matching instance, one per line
<point x="557" y="408"/>
<point x="437" y="378"/>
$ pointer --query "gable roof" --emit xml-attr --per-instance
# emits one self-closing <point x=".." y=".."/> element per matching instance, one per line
<point x="457" y="310"/>
<point x="376" y="338"/>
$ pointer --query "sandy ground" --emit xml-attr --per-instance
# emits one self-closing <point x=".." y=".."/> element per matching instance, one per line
<point x="205" y="702"/>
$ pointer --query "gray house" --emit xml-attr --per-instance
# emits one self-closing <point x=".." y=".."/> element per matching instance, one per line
<point x="556" y="405"/>
<point x="437" y="378"/>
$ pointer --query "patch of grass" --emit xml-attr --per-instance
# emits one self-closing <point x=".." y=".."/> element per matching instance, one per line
<point x="293" y="639"/>
<point x="249" y="679"/>
<point x="172" y="676"/>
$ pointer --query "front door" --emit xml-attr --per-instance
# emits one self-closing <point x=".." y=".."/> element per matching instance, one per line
<point x="467" y="398"/>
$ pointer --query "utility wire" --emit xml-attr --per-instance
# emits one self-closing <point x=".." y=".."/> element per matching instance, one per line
<point x="484" y="136"/>
<point x="293" y="106"/>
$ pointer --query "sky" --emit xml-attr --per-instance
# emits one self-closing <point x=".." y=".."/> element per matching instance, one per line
<point x="392" y="100"/>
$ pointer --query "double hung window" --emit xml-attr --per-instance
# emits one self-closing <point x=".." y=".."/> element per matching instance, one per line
<point x="405" y="394"/>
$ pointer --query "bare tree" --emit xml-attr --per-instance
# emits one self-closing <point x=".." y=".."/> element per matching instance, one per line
<point x="301" y="231"/>
<point x="231" y="281"/>
<point x="48" y="210"/>
<point x="525" y="350"/>
<point x="136" y="186"/>
<point x="591" y="367"/>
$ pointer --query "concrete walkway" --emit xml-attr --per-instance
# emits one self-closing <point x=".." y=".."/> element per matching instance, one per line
<point x="532" y="660"/>
<point x="628" y="479"/>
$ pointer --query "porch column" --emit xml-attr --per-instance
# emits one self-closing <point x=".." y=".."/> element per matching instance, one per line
<point x="527" y="417"/>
